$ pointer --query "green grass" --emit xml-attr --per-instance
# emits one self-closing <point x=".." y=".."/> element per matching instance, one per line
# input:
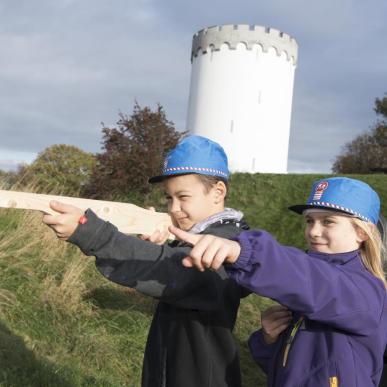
<point x="63" y="324"/>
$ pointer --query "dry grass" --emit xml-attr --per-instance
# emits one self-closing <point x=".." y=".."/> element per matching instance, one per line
<point x="65" y="295"/>
<point x="7" y="299"/>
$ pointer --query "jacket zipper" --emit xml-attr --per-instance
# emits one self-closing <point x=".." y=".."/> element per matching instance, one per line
<point x="290" y="339"/>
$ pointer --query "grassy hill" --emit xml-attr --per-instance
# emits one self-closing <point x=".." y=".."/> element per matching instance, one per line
<point x="63" y="324"/>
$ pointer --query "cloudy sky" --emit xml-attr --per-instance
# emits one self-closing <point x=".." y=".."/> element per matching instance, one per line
<point x="68" y="65"/>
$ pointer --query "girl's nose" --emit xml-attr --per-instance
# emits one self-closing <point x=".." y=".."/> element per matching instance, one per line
<point x="315" y="230"/>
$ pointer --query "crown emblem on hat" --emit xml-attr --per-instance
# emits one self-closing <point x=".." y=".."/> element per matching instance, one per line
<point x="321" y="187"/>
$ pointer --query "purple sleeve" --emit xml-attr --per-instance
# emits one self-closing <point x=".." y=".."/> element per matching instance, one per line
<point x="341" y="297"/>
<point x="260" y="351"/>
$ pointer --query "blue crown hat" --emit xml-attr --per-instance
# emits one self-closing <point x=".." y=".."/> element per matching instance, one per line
<point x="195" y="154"/>
<point x="344" y="195"/>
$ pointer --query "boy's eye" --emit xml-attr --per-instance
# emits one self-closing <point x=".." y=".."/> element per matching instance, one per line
<point x="309" y="221"/>
<point x="328" y="221"/>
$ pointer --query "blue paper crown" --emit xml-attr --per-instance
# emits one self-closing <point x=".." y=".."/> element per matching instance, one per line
<point x="195" y="154"/>
<point x="343" y="194"/>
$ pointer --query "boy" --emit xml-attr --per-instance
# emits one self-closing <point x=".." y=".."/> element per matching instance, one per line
<point x="190" y="341"/>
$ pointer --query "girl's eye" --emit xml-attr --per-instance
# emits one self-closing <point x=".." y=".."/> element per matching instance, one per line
<point x="328" y="221"/>
<point x="168" y="198"/>
<point x="309" y="221"/>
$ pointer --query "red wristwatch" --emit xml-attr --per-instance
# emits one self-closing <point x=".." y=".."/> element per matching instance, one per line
<point x="83" y="219"/>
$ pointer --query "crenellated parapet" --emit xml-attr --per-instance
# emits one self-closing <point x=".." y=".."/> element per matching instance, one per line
<point x="210" y="39"/>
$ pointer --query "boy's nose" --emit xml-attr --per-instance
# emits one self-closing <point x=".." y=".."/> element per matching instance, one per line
<point x="175" y="206"/>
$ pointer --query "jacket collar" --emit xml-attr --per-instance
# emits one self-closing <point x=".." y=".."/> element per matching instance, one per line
<point x="226" y="214"/>
<point x="339" y="258"/>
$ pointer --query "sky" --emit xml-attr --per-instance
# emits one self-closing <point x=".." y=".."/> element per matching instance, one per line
<point x="67" y="66"/>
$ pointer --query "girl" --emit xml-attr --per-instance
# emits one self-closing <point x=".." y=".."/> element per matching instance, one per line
<point x="336" y="291"/>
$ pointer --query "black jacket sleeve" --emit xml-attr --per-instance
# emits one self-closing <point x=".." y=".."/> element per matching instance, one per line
<point x="152" y="269"/>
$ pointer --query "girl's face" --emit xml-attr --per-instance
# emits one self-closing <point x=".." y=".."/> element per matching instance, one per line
<point x="331" y="232"/>
<point x="189" y="202"/>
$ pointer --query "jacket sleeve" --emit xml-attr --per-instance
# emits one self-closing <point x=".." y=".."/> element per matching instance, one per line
<point x="347" y="299"/>
<point x="261" y="352"/>
<point x="152" y="269"/>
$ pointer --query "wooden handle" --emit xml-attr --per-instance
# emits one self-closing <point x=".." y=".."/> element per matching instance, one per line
<point x="128" y="218"/>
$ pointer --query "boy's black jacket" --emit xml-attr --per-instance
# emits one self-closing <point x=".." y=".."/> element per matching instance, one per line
<point x="190" y="342"/>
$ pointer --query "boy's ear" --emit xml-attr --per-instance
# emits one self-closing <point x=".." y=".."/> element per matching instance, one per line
<point x="220" y="191"/>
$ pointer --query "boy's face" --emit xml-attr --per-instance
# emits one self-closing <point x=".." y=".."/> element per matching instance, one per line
<point x="188" y="201"/>
<point x="331" y="232"/>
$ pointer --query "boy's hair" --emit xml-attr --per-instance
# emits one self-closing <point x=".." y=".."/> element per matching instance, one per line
<point x="372" y="250"/>
<point x="209" y="181"/>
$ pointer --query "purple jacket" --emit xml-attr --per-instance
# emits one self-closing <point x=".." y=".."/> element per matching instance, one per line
<point x="344" y="332"/>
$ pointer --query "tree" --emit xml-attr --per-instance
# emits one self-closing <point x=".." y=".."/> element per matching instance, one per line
<point x="13" y="179"/>
<point x="62" y="169"/>
<point x="367" y="153"/>
<point x="132" y="152"/>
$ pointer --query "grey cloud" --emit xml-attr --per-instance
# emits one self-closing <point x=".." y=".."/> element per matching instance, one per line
<point x="66" y="66"/>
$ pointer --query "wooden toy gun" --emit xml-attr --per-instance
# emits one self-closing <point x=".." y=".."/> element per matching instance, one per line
<point x="128" y="218"/>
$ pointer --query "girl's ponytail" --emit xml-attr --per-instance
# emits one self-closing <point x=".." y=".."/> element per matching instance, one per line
<point x="374" y="249"/>
<point x="382" y="227"/>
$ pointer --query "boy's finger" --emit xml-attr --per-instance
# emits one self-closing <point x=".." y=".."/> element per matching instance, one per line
<point x="155" y="236"/>
<point x="63" y="208"/>
<point x="50" y="220"/>
<point x="184" y="236"/>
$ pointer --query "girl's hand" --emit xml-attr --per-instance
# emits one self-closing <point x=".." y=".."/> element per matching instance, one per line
<point x="209" y="251"/>
<point x="67" y="220"/>
<point x="274" y="321"/>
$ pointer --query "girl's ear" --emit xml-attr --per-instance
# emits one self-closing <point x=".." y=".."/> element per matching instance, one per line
<point x="361" y="234"/>
<point x="220" y="191"/>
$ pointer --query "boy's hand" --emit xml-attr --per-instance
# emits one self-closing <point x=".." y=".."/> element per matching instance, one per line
<point x="209" y="251"/>
<point x="274" y="321"/>
<point x="158" y="237"/>
<point x="67" y="220"/>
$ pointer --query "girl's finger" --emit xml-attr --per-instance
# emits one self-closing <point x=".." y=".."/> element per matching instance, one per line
<point x="187" y="262"/>
<point x="184" y="236"/>
<point x="210" y="252"/>
<point x="220" y="257"/>
<point x="280" y="329"/>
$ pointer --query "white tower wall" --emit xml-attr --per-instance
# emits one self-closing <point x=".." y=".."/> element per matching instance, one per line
<point x="241" y="94"/>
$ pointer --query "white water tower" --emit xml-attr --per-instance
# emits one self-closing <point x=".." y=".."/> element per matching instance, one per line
<point x="241" y="94"/>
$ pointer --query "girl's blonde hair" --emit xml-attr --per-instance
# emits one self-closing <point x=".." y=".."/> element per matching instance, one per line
<point x="372" y="250"/>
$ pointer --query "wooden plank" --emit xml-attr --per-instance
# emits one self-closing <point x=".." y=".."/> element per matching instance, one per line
<point x="128" y="218"/>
